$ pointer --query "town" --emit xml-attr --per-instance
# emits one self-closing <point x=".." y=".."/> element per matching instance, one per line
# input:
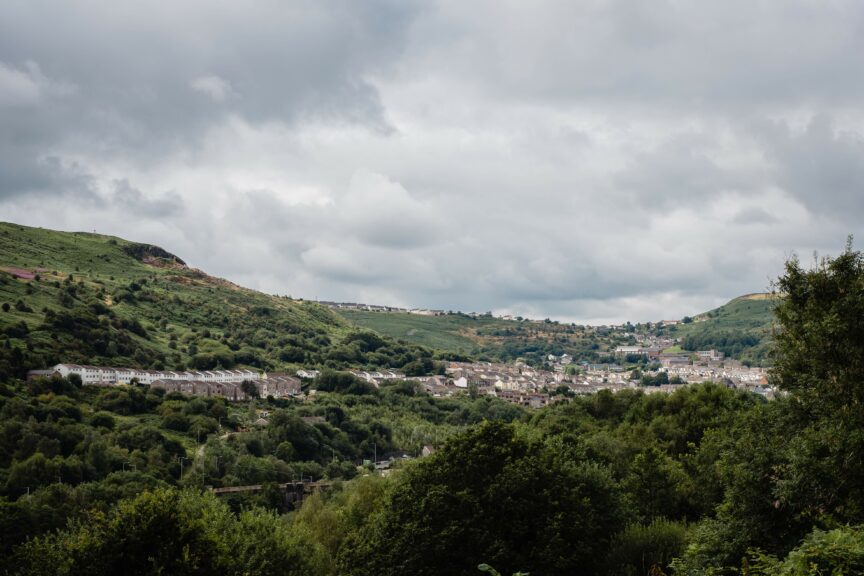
<point x="516" y="383"/>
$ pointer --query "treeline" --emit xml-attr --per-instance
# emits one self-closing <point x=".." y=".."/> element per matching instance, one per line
<point x="608" y="484"/>
<point x="734" y="344"/>
<point x="514" y="495"/>
<point x="65" y="449"/>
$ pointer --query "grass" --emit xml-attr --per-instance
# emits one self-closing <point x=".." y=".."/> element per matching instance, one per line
<point x="167" y="299"/>
<point x="751" y="313"/>
<point x="485" y="336"/>
<point x="451" y="332"/>
<point x="186" y="312"/>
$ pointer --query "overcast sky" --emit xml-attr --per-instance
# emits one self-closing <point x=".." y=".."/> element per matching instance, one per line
<point x="588" y="161"/>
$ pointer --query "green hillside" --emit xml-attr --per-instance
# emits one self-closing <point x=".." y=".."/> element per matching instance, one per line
<point x="741" y="328"/>
<point x="80" y="297"/>
<point x="450" y="332"/>
<point x="485" y="336"/>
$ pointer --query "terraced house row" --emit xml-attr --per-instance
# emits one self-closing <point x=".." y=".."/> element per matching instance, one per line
<point x="222" y="383"/>
<point x="107" y="375"/>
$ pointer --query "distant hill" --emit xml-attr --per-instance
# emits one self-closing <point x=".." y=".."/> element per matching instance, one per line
<point x="89" y="298"/>
<point x="741" y="328"/>
<point x="486" y="337"/>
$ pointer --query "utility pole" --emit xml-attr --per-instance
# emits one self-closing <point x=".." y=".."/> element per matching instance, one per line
<point x="375" y="457"/>
<point x="181" y="458"/>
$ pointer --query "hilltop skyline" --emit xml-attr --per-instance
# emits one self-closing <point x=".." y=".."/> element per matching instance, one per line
<point x="594" y="163"/>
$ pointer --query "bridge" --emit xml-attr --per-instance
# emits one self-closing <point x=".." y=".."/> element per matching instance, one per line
<point x="294" y="491"/>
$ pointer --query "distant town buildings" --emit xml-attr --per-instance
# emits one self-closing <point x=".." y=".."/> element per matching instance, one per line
<point x="107" y="375"/>
<point x="377" y="308"/>
<point x="221" y="383"/>
<point x="516" y="383"/>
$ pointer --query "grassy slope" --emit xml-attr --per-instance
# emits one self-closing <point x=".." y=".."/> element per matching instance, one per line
<point x="485" y="336"/>
<point x="188" y="304"/>
<point x="751" y="315"/>
<point x="174" y="299"/>
<point x="452" y="332"/>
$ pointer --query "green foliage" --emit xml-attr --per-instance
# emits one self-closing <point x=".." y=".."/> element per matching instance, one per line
<point x="820" y="346"/>
<point x="741" y="329"/>
<point x="168" y="532"/>
<point x="796" y="463"/>
<point x="490" y="495"/>
<point x="838" y="552"/>
<point x="604" y="484"/>
<point x="107" y="301"/>
<point x="658" y="485"/>
<point x="641" y="548"/>
<point x="342" y="382"/>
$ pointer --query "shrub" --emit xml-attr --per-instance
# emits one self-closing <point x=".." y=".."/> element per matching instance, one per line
<point x="639" y="548"/>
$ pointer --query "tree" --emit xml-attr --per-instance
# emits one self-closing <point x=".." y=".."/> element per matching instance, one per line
<point x="657" y="485"/>
<point x="250" y="389"/>
<point x="491" y="496"/>
<point x="839" y="551"/>
<point x="820" y="337"/>
<point x="169" y="532"/>
<point x="798" y="462"/>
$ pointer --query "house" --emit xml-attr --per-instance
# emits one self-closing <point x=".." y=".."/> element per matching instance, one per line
<point x="37" y="374"/>
<point x="278" y="385"/>
<point x="108" y="375"/>
<point x="712" y="355"/>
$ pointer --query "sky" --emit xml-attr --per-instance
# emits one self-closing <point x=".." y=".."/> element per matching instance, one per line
<point x="594" y="161"/>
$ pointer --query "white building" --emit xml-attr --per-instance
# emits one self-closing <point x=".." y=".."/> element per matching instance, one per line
<point x="109" y="375"/>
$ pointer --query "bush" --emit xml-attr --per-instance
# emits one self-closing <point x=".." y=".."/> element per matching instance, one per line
<point x="102" y="420"/>
<point x="177" y="422"/>
<point x="837" y="552"/>
<point x="640" y="548"/>
<point x="344" y="382"/>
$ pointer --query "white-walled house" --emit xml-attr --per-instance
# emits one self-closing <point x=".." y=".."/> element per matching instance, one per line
<point x="109" y="375"/>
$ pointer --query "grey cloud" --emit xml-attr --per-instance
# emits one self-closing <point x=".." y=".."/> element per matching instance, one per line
<point x="133" y="68"/>
<point x="822" y="165"/>
<point x="132" y="200"/>
<point x="691" y="55"/>
<point x="680" y="171"/>
<point x="754" y="216"/>
<point x="584" y="160"/>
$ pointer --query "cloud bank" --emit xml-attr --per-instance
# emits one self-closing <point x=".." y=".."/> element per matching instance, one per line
<point x="596" y="161"/>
